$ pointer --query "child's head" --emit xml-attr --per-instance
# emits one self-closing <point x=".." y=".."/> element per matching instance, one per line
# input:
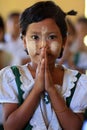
<point x="13" y="23"/>
<point x="43" y="24"/>
<point x="71" y="32"/>
<point x="81" y="26"/>
<point x="40" y="11"/>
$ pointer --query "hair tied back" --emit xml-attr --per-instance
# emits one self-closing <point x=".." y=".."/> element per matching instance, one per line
<point x="72" y="12"/>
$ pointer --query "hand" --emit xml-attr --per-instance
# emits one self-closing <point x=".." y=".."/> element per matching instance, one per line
<point x="40" y="73"/>
<point x="48" y="77"/>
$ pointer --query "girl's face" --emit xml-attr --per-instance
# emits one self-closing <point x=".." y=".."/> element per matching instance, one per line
<point x="43" y="34"/>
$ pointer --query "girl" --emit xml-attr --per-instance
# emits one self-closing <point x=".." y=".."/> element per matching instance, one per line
<point x="38" y="96"/>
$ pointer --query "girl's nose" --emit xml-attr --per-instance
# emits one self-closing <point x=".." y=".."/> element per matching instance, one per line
<point x="44" y="44"/>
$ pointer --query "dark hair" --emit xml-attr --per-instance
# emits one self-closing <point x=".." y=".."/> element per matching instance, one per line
<point x="2" y="23"/>
<point x="40" y="11"/>
<point x="2" y="26"/>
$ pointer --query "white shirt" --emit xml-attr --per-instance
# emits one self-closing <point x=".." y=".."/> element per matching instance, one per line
<point x="9" y="94"/>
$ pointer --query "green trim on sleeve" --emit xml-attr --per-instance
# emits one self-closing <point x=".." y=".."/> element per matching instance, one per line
<point x="68" y="99"/>
<point x="16" y="72"/>
<point x="17" y="79"/>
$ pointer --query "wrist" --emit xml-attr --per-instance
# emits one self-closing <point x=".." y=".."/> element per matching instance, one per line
<point x="38" y="90"/>
<point x="50" y="89"/>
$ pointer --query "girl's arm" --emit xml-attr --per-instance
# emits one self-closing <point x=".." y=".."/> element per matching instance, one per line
<point x="67" y="118"/>
<point x="16" y="118"/>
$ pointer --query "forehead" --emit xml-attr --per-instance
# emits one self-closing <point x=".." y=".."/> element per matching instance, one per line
<point x="47" y="25"/>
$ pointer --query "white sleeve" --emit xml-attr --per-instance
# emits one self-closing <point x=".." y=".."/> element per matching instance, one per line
<point x="79" y="100"/>
<point x="8" y="87"/>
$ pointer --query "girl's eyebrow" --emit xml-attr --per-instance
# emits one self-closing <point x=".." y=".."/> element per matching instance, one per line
<point x="52" y="32"/>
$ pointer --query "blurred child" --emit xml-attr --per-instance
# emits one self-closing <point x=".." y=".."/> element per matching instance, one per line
<point x="79" y="49"/>
<point x="5" y="56"/>
<point x="15" y="44"/>
<point x="66" y="58"/>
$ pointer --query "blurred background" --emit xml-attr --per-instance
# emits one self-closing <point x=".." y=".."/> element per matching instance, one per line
<point x="7" y="6"/>
<point x="12" y="50"/>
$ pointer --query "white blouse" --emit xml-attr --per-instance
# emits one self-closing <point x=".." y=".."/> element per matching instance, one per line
<point x="9" y="91"/>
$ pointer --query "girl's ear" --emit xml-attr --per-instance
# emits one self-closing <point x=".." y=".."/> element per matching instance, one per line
<point x="25" y="46"/>
<point x="62" y="49"/>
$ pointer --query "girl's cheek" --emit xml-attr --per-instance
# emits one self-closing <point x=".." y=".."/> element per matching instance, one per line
<point x="31" y="47"/>
<point x="55" y="47"/>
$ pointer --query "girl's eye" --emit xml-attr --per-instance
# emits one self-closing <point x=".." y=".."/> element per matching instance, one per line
<point x="35" y="37"/>
<point x="52" y="37"/>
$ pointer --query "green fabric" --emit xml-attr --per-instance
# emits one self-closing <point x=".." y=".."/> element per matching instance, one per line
<point x="68" y="99"/>
<point x="85" y="115"/>
<point x="1" y="127"/>
<point x="28" y="127"/>
<point x="17" y="79"/>
<point x="76" y="58"/>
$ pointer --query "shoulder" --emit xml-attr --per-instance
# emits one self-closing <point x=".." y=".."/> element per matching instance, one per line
<point x="75" y="75"/>
<point x="7" y="73"/>
<point x="8" y="87"/>
<point x="70" y="75"/>
<point x="8" y="84"/>
<point x="74" y="78"/>
<point x="78" y="102"/>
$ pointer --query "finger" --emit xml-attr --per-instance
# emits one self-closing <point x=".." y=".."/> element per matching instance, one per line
<point x="42" y="67"/>
<point x="42" y="55"/>
<point x="41" y="72"/>
<point x="46" y="61"/>
<point x="38" y="67"/>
